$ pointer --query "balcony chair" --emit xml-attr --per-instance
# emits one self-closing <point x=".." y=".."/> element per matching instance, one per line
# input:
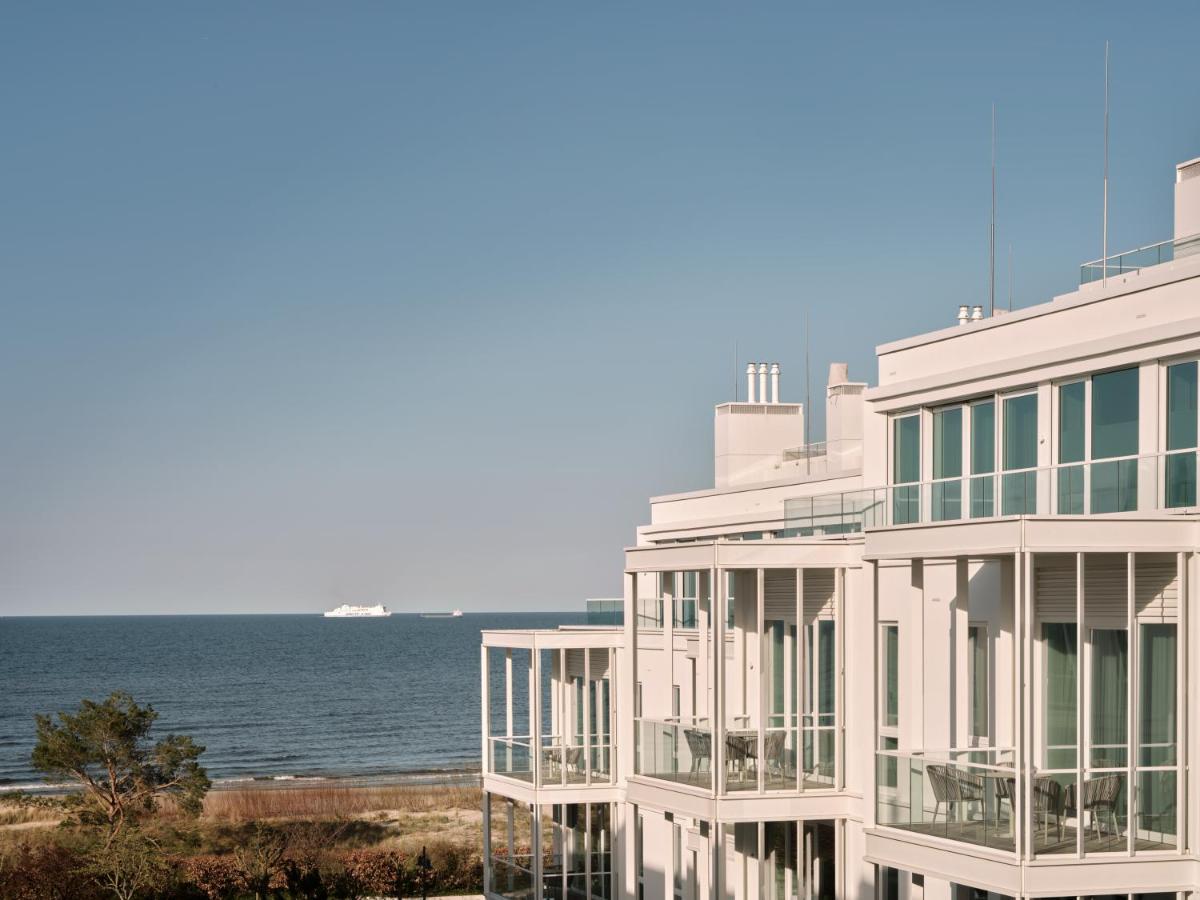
<point x="1100" y="799"/>
<point x="954" y="787"/>
<point x="699" y="747"/>
<point x="773" y="749"/>
<point x="741" y="751"/>
<point x="1049" y="799"/>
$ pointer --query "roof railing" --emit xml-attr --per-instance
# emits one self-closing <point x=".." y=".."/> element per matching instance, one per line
<point x="1132" y="260"/>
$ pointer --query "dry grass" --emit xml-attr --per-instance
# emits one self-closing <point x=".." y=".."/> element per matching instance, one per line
<point x="14" y="816"/>
<point x="332" y="802"/>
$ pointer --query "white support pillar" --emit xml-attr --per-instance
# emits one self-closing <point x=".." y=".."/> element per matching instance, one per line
<point x="668" y="640"/>
<point x="626" y="740"/>
<point x="485" y="710"/>
<point x="872" y="779"/>
<point x="839" y="703"/>
<point x="486" y="801"/>
<point x="1183" y="747"/>
<point x="1083" y="672"/>
<point x="1132" y="716"/>
<point x="587" y="717"/>
<point x="535" y="848"/>
<point x="761" y="630"/>
<point x="719" y="693"/>
<point x="1024" y="715"/>
<point x="801" y="676"/>
<point x="535" y="712"/>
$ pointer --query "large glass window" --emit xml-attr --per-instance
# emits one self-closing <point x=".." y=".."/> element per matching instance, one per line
<point x="906" y="470"/>
<point x="1060" y="640"/>
<point x="947" y="464"/>
<point x="983" y="459"/>
<point x="1157" y="715"/>
<point x="1109" y="709"/>
<point x="1072" y="435"/>
<point x="1114" y="435"/>
<point x="891" y="679"/>
<point x="1181" y="435"/>
<point x="977" y="655"/>
<point x="1020" y="453"/>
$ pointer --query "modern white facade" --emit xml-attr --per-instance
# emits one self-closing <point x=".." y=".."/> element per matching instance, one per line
<point x="944" y="654"/>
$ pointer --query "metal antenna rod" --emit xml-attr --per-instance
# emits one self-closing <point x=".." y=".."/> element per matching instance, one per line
<point x="1104" y="242"/>
<point x="735" y="372"/>
<point x="1010" y="277"/>
<point x="992" y="227"/>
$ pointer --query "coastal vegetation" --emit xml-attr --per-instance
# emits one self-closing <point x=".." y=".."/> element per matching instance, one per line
<point x="144" y="824"/>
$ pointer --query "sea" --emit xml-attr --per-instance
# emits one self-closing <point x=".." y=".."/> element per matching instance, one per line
<point x="272" y="698"/>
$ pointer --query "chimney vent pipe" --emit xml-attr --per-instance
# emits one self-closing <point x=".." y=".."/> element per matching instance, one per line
<point x="774" y="382"/>
<point x="976" y="313"/>
<point x="762" y="382"/>
<point x="750" y="370"/>
<point x="964" y="314"/>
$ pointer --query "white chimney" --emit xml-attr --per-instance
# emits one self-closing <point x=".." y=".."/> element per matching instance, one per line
<point x="964" y="313"/>
<point x="1187" y="208"/>
<point x="774" y="382"/>
<point x="750" y="370"/>
<point x="762" y="382"/>
<point x="976" y="313"/>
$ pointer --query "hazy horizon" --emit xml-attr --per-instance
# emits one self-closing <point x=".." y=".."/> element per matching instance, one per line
<point x="402" y="302"/>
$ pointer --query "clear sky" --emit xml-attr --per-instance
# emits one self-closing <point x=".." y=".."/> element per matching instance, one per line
<point x="418" y="303"/>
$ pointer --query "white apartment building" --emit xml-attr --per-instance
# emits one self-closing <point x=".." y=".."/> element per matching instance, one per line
<point x="944" y="654"/>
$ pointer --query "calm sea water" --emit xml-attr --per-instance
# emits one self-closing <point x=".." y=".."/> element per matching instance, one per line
<point x="268" y="696"/>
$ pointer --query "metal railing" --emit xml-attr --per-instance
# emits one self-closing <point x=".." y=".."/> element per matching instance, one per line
<point x="1131" y="260"/>
<point x="1123" y="484"/>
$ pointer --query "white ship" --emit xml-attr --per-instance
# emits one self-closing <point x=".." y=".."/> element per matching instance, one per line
<point x="439" y="615"/>
<point x="346" y="611"/>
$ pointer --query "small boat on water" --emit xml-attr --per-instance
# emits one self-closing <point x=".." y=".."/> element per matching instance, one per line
<point x="346" y="611"/>
<point x="455" y="614"/>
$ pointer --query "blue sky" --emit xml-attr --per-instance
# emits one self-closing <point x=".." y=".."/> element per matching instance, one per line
<point x="417" y="303"/>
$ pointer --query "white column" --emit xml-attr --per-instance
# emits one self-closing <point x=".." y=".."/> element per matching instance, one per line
<point x="485" y="711"/>
<point x="1132" y="717"/>
<point x="1083" y="678"/>
<point x="535" y="712"/>
<point x="718" y="714"/>
<point x="626" y="731"/>
<point x="760" y="629"/>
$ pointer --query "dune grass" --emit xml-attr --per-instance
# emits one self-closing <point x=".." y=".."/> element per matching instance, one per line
<point x="333" y="802"/>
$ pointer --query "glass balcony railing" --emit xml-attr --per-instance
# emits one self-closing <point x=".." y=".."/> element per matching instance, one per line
<point x="1130" y="260"/>
<point x="1124" y="484"/>
<point x="571" y="762"/>
<point x="678" y="750"/>
<point x="512" y="757"/>
<point x="972" y="797"/>
<point x="964" y="796"/>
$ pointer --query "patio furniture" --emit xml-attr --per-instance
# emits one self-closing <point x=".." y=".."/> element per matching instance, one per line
<point x="699" y="747"/>
<point x="773" y="749"/>
<point x="1049" y="799"/>
<point x="742" y="752"/>
<point x="956" y="788"/>
<point x="1100" y="799"/>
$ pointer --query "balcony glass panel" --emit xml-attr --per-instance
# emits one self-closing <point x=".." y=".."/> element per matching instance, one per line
<point x="906" y="448"/>
<point x="512" y="757"/>
<point x="674" y="750"/>
<point x="950" y="797"/>
<point x="1020" y="452"/>
<point x="983" y="459"/>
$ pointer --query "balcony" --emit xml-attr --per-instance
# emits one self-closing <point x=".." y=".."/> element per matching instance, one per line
<point x="1132" y="260"/>
<point x="973" y="797"/>
<point x="1151" y="483"/>
<point x="549" y="712"/>
<point x="794" y="759"/>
